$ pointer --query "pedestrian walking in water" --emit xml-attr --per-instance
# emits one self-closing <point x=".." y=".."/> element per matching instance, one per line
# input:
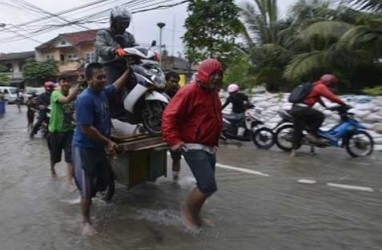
<point x="192" y="123"/>
<point x="61" y="125"/>
<point x="92" y="144"/>
<point x="171" y="87"/>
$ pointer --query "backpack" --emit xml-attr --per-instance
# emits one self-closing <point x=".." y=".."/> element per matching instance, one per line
<point x="300" y="92"/>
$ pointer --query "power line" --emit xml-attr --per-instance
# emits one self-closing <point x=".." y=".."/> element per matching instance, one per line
<point x="97" y="17"/>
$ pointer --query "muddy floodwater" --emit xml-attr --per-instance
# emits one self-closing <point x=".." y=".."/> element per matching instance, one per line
<point x="266" y="200"/>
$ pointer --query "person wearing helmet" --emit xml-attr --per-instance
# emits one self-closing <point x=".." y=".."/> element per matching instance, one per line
<point x="192" y="123"/>
<point x="239" y="103"/>
<point x="43" y="101"/>
<point x="109" y="46"/>
<point x="110" y="42"/>
<point x="304" y="114"/>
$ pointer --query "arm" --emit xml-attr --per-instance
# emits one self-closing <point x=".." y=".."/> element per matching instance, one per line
<point x="72" y="94"/>
<point x="172" y="117"/>
<point x="227" y="101"/>
<point x="104" y="49"/>
<point x="325" y="92"/>
<point x="122" y="80"/>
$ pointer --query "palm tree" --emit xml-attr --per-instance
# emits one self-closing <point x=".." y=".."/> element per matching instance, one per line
<point x="368" y="4"/>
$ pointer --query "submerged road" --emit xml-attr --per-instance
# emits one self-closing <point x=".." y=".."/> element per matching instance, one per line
<point x="266" y="200"/>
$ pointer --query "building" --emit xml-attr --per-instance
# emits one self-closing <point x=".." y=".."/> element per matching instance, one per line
<point x="71" y="50"/>
<point x="13" y="62"/>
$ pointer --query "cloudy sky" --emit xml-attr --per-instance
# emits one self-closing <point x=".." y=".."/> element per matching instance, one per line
<point x="25" y="24"/>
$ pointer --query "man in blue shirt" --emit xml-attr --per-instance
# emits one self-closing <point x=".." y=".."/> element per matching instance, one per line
<point x="91" y="142"/>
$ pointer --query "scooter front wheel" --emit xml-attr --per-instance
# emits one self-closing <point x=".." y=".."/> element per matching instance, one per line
<point x="263" y="138"/>
<point x="283" y="137"/>
<point x="359" y="144"/>
<point x="152" y="117"/>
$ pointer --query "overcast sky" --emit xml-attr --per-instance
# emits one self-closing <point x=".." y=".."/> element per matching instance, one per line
<point x="143" y="25"/>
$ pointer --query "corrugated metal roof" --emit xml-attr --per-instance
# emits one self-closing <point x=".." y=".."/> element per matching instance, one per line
<point x="16" y="56"/>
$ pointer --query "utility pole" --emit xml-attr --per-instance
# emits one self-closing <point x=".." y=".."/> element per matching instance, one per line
<point x="160" y="25"/>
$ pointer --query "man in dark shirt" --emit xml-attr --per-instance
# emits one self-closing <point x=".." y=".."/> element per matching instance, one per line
<point x="43" y="101"/>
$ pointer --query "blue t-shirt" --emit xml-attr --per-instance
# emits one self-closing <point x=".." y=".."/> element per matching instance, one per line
<point x="92" y="109"/>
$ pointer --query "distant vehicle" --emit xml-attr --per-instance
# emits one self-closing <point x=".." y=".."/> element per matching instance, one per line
<point x="30" y="90"/>
<point x="9" y="93"/>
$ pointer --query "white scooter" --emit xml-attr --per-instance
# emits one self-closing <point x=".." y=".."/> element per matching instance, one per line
<point x="145" y="101"/>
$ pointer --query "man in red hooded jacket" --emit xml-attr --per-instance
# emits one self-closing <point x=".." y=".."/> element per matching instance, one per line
<point x="192" y="123"/>
<point x="303" y="114"/>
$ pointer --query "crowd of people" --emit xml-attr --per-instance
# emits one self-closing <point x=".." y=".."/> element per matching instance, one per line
<point x="79" y="120"/>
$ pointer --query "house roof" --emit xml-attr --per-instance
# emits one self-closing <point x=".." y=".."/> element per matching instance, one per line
<point x="72" y="38"/>
<point x="16" y="56"/>
<point x="174" y="63"/>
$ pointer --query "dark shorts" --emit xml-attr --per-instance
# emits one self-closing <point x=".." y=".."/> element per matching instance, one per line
<point x="176" y="155"/>
<point x="202" y="165"/>
<point x="58" y="142"/>
<point x="91" y="171"/>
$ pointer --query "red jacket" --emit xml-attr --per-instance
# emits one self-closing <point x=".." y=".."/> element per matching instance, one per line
<point x="321" y="90"/>
<point x="194" y="113"/>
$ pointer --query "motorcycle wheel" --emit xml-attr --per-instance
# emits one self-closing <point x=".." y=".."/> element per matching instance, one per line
<point x="152" y="117"/>
<point x="283" y="137"/>
<point x="360" y="144"/>
<point x="263" y="138"/>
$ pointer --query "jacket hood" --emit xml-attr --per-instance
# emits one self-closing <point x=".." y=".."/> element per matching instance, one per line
<point x="207" y="67"/>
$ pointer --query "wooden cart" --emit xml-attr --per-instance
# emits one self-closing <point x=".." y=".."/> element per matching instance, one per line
<point x="139" y="159"/>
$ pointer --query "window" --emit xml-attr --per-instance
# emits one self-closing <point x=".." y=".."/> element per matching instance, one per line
<point x="90" y="57"/>
<point x="50" y="57"/>
<point x="72" y="57"/>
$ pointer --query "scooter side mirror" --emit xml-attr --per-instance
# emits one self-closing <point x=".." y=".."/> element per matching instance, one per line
<point x="153" y="43"/>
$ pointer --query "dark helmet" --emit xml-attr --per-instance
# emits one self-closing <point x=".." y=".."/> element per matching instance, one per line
<point x="120" y="14"/>
<point x="329" y="80"/>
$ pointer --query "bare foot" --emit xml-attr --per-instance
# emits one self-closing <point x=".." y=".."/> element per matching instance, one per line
<point x="53" y="172"/>
<point x="88" y="230"/>
<point x="71" y="187"/>
<point x="188" y="219"/>
<point x="206" y="222"/>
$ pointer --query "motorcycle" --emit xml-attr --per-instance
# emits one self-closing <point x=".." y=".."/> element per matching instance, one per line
<point x="144" y="100"/>
<point x="348" y="133"/>
<point x="262" y="137"/>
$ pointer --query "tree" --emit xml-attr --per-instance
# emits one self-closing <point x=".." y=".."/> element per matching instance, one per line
<point x="212" y="27"/>
<point x="39" y="72"/>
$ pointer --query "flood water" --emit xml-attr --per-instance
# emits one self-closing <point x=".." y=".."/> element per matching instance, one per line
<point x="261" y="202"/>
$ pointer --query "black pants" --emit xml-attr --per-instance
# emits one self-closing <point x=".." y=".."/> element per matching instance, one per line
<point x="304" y="117"/>
<point x="42" y="116"/>
<point x="113" y="72"/>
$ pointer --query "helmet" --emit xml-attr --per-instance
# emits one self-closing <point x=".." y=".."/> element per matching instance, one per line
<point x="233" y="88"/>
<point x="329" y="80"/>
<point x="120" y="14"/>
<point x="49" y="84"/>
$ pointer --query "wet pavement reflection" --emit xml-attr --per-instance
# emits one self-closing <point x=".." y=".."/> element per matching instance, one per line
<point x="266" y="200"/>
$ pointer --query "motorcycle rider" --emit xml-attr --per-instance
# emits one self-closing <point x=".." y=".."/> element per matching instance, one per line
<point x="303" y="114"/>
<point x="43" y="101"/>
<point x="240" y="103"/>
<point x="109" y="46"/>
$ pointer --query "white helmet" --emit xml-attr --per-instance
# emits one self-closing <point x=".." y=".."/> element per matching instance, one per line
<point x="232" y="88"/>
<point x="120" y="14"/>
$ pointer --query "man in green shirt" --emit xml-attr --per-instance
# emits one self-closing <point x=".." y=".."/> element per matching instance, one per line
<point x="61" y="125"/>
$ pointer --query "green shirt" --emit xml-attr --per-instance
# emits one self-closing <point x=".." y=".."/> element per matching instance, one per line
<point x="61" y="115"/>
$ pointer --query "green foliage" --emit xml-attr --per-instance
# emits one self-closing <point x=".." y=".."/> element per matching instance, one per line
<point x="373" y="91"/>
<point x="3" y="68"/>
<point x="4" y="79"/>
<point x="239" y="72"/>
<point x="212" y="27"/>
<point x="41" y="71"/>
